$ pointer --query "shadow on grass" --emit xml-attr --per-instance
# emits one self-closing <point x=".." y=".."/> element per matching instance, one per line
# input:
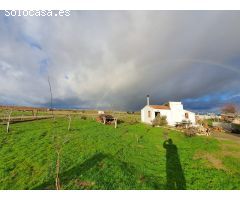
<point x="175" y="174"/>
<point x="73" y="172"/>
<point x="104" y="170"/>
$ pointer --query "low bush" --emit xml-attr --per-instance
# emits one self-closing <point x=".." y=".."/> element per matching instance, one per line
<point x="83" y="117"/>
<point x="160" y="121"/>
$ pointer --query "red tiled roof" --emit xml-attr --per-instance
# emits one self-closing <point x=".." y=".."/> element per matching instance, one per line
<point x="160" y="107"/>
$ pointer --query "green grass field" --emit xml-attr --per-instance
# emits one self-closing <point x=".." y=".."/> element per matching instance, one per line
<point x="96" y="156"/>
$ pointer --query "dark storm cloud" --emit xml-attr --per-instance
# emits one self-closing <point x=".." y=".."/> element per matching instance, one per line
<point x="114" y="58"/>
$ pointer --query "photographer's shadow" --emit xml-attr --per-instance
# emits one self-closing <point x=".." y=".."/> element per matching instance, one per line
<point x="175" y="174"/>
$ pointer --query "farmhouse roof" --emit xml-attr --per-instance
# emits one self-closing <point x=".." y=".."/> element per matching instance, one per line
<point x="160" y="107"/>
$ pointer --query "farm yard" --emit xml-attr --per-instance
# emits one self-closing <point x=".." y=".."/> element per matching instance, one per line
<point x="97" y="156"/>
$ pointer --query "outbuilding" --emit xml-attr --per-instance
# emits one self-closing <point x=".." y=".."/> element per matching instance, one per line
<point x="173" y="111"/>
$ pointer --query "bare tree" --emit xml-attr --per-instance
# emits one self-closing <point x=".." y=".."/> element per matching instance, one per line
<point x="58" y="144"/>
<point x="58" y="148"/>
<point x="137" y="138"/>
<point x="229" y="108"/>
<point x="114" y="115"/>
<point x="69" y="122"/>
<point x="50" y="89"/>
<point x="115" y="122"/>
<point x="57" y="179"/>
<point x="8" y="120"/>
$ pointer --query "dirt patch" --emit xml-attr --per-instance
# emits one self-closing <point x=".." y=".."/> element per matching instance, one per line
<point x="85" y="184"/>
<point x="231" y="154"/>
<point x="227" y="136"/>
<point x="212" y="160"/>
<point x="231" y="150"/>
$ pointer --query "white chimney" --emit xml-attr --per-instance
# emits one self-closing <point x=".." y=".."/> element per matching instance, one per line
<point x="148" y="100"/>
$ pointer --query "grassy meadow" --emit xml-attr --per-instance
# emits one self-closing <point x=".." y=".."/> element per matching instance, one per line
<point x="97" y="156"/>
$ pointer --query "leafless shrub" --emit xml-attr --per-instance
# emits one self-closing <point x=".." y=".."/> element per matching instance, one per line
<point x="229" y="108"/>
<point x="189" y="132"/>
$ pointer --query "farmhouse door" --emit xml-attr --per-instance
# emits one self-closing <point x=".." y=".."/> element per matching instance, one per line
<point x="157" y="114"/>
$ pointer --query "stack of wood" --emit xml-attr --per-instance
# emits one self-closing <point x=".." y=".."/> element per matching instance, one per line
<point x="217" y="129"/>
<point x="236" y="125"/>
<point x="107" y="119"/>
<point x="204" y="130"/>
<point x="236" y="121"/>
<point x="228" y="117"/>
<point x="192" y="131"/>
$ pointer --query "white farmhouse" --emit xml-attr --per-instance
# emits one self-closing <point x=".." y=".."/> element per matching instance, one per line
<point x="173" y="111"/>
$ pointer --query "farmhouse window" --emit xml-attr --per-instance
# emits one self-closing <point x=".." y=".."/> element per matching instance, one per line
<point x="149" y="113"/>
<point x="186" y="115"/>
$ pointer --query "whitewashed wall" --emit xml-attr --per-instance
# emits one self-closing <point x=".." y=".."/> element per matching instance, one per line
<point x="144" y="115"/>
<point x="176" y="114"/>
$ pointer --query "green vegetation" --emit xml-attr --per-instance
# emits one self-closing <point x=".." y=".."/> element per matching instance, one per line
<point x="209" y="122"/>
<point x="15" y="113"/>
<point x="97" y="156"/>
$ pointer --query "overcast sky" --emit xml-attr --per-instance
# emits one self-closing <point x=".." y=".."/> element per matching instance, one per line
<point x="113" y="59"/>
